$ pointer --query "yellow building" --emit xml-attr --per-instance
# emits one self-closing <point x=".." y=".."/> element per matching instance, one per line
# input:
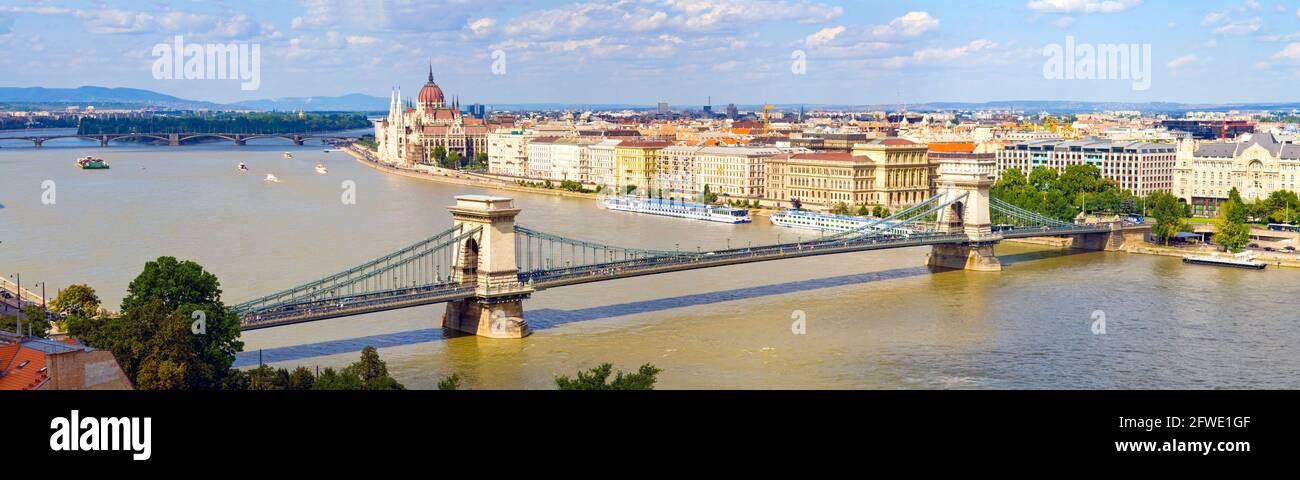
<point x="892" y="172"/>
<point x="902" y="170"/>
<point x="635" y="165"/>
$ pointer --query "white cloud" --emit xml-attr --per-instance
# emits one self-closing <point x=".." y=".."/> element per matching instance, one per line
<point x="1182" y="61"/>
<point x="1213" y="18"/>
<point x="1082" y="6"/>
<point x="1241" y="27"/>
<point x="824" y="36"/>
<point x="1291" y="52"/>
<point x="960" y="54"/>
<point x="909" y="25"/>
<point x="482" y="26"/>
<point x="361" y="40"/>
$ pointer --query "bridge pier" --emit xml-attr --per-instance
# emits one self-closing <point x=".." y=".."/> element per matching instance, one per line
<point x="487" y="262"/>
<point x="103" y="140"/>
<point x="971" y="175"/>
<point x="39" y="142"/>
<point x="174" y="139"/>
<point x="977" y="257"/>
<point x="1117" y="239"/>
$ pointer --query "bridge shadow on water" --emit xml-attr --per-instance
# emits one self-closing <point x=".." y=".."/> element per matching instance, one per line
<point x="545" y="318"/>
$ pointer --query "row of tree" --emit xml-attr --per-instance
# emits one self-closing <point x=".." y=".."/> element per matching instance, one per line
<point x="368" y="373"/>
<point x="1078" y="188"/>
<point x="226" y="122"/>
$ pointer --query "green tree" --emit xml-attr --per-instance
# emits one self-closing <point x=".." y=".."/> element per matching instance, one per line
<point x="330" y="379"/>
<point x="1043" y="178"/>
<point x="440" y="155"/>
<point x="34" y="320"/>
<point x="1169" y="213"/>
<point x="598" y="379"/>
<point x="76" y="300"/>
<point x="155" y="339"/>
<point x="1232" y="231"/>
<point x="453" y="160"/>
<point x="451" y="382"/>
<point x="300" y="379"/>
<point x="840" y="208"/>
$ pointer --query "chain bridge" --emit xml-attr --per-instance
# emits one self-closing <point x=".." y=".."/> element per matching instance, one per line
<point x="485" y="266"/>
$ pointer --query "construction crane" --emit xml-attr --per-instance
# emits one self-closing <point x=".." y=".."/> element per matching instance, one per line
<point x="766" y="122"/>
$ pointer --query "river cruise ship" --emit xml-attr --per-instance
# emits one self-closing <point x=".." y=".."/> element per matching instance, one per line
<point x="822" y="222"/>
<point x="669" y="208"/>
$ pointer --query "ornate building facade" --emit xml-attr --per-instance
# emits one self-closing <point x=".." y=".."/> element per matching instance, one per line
<point x="413" y="130"/>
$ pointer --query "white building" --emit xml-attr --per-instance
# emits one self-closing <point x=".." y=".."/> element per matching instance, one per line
<point x="602" y="166"/>
<point x="1256" y="165"/>
<point x="675" y="171"/>
<point x="541" y="156"/>
<point x="508" y="152"/>
<point x="734" y="171"/>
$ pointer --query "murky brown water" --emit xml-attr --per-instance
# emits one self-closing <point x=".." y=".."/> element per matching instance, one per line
<point x="874" y="319"/>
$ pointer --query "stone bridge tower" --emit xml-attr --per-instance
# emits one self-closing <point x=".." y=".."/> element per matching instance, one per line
<point x="970" y="174"/>
<point x="487" y="262"/>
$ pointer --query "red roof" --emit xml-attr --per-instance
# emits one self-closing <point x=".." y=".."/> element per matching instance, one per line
<point x="897" y="141"/>
<point x="21" y="368"/>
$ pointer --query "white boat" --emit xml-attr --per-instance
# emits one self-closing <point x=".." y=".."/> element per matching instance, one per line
<point x="242" y="167"/>
<point x="669" y="208"/>
<point x="288" y="155"/>
<point x="1240" y="260"/>
<point x="806" y="220"/>
<point x="272" y="178"/>
<point x="321" y="169"/>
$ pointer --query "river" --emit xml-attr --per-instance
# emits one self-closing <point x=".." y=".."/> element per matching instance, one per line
<point x="873" y="319"/>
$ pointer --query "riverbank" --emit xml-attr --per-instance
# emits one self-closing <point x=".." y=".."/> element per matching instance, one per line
<point x="455" y="177"/>
<point x="1276" y="259"/>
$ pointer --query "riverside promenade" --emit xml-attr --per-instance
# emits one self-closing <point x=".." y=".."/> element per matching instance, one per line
<point x="456" y="177"/>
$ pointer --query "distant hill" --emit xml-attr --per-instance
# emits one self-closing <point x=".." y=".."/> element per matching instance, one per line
<point x="134" y="98"/>
<point x="350" y="102"/>
<point x="103" y="95"/>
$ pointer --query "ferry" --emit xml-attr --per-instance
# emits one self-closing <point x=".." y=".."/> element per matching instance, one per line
<point x="829" y="223"/>
<point x="1240" y="260"/>
<point x="91" y="163"/>
<point x="321" y="169"/>
<point x="288" y="155"/>
<point x="669" y="208"/>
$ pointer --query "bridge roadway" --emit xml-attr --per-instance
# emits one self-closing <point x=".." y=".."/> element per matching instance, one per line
<point x="635" y="267"/>
<point x="176" y="139"/>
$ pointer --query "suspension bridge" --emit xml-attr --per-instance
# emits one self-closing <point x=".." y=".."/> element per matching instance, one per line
<point x="485" y="266"/>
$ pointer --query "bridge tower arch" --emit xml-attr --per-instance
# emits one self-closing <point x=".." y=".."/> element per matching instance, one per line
<point x="971" y="175"/>
<point x="487" y="263"/>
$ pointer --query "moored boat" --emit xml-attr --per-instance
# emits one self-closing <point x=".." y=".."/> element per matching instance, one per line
<point x="806" y="220"/>
<point x="1241" y="260"/>
<point x="669" y="208"/>
<point x="91" y="163"/>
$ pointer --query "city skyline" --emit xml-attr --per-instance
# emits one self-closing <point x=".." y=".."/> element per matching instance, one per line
<point x="681" y="52"/>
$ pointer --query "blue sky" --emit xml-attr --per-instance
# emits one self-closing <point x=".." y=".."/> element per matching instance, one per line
<point x="680" y="51"/>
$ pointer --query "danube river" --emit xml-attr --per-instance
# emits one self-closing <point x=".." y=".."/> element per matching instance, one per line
<point x="873" y="319"/>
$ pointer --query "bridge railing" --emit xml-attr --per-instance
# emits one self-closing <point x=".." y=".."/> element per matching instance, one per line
<point x="424" y="264"/>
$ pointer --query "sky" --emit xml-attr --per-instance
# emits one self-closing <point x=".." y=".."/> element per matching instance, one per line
<point x="679" y="51"/>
